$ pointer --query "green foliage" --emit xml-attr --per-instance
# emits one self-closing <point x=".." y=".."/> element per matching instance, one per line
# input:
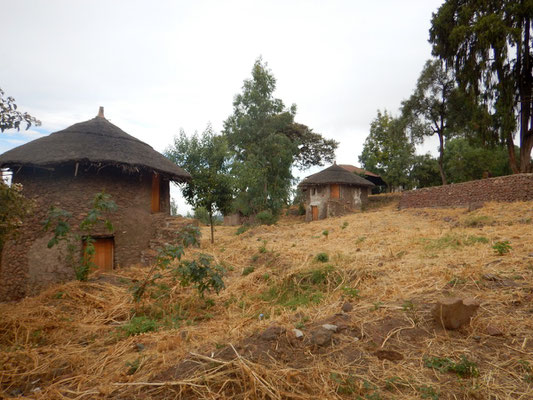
<point x="427" y="392"/>
<point x="387" y="150"/>
<point x="465" y="161"/>
<point x="266" y="143"/>
<point x="10" y="117"/>
<point x="464" y="368"/>
<point x="199" y="273"/>
<point x="138" y="325"/>
<point x="487" y="44"/>
<point x="266" y="217"/>
<point x="133" y="366"/>
<point x="325" y="233"/>
<point x="322" y="257"/>
<point x="435" y="107"/>
<point x="453" y="241"/>
<point x="241" y="229"/>
<point x="502" y="248"/>
<point x="13" y="208"/>
<point x="301" y="209"/>
<point x="424" y="172"/>
<point x="58" y="221"/>
<point x="248" y="270"/>
<point x="301" y="289"/>
<point x="206" y="158"/>
<point x="344" y="225"/>
<point x="352" y="293"/>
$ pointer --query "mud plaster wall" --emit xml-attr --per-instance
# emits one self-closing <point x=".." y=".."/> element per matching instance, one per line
<point x="350" y="199"/>
<point x="517" y="187"/>
<point x="28" y="265"/>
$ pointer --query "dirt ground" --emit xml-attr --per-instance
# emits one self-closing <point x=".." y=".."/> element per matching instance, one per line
<point x="379" y="277"/>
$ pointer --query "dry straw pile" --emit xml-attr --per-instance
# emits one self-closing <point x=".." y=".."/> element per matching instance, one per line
<point x="85" y="341"/>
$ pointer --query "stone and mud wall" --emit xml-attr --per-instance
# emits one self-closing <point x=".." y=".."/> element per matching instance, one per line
<point x="28" y="265"/>
<point x="350" y="199"/>
<point x="517" y="187"/>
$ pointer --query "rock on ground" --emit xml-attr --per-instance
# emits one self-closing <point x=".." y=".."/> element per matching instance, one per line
<point x="452" y="313"/>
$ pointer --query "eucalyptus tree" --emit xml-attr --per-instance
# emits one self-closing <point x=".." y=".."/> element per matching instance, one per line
<point x="266" y="143"/>
<point x="488" y="43"/>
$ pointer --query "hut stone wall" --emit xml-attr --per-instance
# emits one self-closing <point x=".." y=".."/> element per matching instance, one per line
<point x="351" y="198"/>
<point x="26" y="262"/>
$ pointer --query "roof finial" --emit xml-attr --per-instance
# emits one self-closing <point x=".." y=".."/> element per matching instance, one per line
<point x="101" y="112"/>
<point x="334" y="162"/>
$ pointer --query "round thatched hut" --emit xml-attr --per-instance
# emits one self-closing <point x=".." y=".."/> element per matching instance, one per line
<point x="332" y="192"/>
<point x="67" y="169"/>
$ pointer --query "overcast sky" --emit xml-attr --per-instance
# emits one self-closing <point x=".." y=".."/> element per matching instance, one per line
<point x="158" y="66"/>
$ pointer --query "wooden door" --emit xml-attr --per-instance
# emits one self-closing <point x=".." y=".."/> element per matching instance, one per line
<point x="334" y="191"/>
<point x="156" y="183"/>
<point x="103" y="254"/>
<point x="314" y="211"/>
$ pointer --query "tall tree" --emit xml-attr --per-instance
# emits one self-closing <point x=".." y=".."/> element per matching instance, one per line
<point x="489" y="45"/>
<point x="434" y="108"/>
<point x="206" y="159"/>
<point x="10" y="117"/>
<point x="388" y="151"/>
<point x="266" y="143"/>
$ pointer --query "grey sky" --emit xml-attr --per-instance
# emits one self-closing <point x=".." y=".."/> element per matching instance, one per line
<point x="158" y="66"/>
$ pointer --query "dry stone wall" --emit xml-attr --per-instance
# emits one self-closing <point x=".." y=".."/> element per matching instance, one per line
<point x="517" y="187"/>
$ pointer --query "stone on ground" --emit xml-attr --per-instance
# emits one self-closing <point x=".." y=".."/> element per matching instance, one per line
<point x="452" y="313"/>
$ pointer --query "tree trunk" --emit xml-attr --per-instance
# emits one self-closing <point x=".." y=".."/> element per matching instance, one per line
<point x="441" y="159"/>
<point x="512" y="157"/>
<point x="212" y="228"/>
<point x="525" y="155"/>
<point x="525" y="88"/>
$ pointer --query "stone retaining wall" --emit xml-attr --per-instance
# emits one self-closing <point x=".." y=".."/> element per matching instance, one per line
<point x="517" y="187"/>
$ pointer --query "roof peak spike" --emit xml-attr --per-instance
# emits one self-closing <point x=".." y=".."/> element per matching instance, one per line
<point x="101" y="112"/>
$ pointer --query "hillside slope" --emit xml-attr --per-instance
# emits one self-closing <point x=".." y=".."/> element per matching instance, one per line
<point x="79" y="340"/>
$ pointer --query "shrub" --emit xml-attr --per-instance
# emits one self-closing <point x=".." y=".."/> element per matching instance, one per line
<point x="464" y="368"/>
<point x="138" y="325"/>
<point x="266" y="217"/>
<point x="502" y="248"/>
<point x="322" y="257"/>
<point x="241" y="229"/>
<point x="301" y="209"/>
<point x="199" y="272"/>
<point x="248" y="270"/>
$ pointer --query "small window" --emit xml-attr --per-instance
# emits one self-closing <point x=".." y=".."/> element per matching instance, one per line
<point x="313" y="191"/>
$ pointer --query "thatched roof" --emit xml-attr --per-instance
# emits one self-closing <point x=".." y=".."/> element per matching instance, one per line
<point x="96" y="141"/>
<point x="335" y="174"/>
<point x="372" y="177"/>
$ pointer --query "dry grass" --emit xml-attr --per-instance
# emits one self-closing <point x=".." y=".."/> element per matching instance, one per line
<point x="70" y="342"/>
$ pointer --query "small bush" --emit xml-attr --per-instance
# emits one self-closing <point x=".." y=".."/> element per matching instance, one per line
<point x="502" y="248"/>
<point x="322" y="257"/>
<point x="464" y="368"/>
<point x="301" y="209"/>
<point x="266" y="217"/>
<point x="248" y="270"/>
<point x="241" y="229"/>
<point x="344" y="225"/>
<point x="325" y="233"/>
<point x="138" y="325"/>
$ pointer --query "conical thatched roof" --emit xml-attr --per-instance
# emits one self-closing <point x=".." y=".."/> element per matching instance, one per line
<point x="335" y="174"/>
<point x="96" y="141"/>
